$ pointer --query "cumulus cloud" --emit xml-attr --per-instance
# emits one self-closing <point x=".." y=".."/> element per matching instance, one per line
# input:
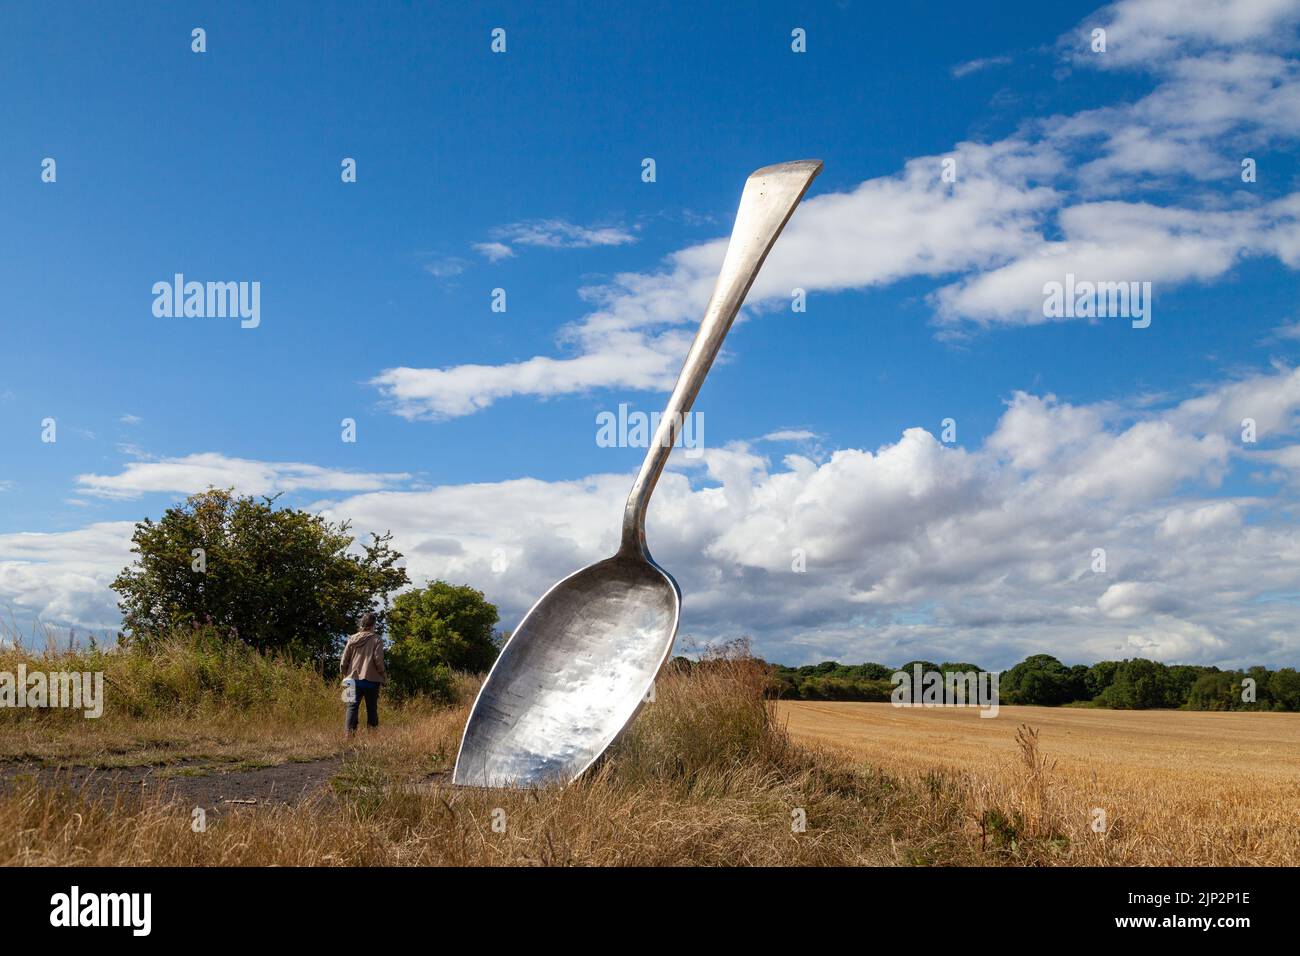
<point x="912" y="549"/>
<point x="65" y="576"/>
<point x="1124" y="242"/>
<point x="922" y="549"/>
<point x="1204" y="115"/>
<point x="1148" y="32"/>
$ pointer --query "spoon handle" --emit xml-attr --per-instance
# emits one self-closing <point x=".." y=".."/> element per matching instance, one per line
<point x="770" y="197"/>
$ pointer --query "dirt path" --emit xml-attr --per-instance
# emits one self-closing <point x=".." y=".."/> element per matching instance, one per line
<point x="194" y="784"/>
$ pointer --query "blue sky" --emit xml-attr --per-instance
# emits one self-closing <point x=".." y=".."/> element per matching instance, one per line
<point x="522" y="171"/>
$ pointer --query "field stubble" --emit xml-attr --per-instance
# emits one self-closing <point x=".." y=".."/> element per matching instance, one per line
<point x="1176" y="787"/>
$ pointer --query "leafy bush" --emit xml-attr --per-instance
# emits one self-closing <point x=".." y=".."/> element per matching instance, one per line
<point x="277" y="580"/>
<point x="436" y="630"/>
<point x="414" y="670"/>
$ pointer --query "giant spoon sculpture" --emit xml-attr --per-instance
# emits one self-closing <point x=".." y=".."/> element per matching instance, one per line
<point x="581" y="662"/>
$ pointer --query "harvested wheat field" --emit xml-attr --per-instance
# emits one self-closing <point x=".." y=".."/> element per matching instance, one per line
<point x="1175" y="787"/>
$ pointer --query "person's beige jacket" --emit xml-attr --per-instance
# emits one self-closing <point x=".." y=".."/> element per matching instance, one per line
<point x="363" y="657"/>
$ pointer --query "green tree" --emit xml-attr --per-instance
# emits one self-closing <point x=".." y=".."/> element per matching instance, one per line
<point x="1077" y="683"/>
<point x="1215" y="690"/>
<point x="1100" y="676"/>
<point x="1263" y="679"/>
<point x="1284" y="687"/>
<point x="1141" y="684"/>
<point x="455" y="625"/>
<point x="926" y="667"/>
<point x="277" y="579"/>
<point x="873" y="671"/>
<point x="1183" y="678"/>
<point x="783" y="683"/>
<point x="1039" y="679"/>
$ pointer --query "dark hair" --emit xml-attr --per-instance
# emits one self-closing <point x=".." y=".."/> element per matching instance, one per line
<point x="368" y="621"/>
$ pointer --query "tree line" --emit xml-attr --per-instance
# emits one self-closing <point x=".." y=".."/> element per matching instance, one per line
<point x="1042" y="680"/>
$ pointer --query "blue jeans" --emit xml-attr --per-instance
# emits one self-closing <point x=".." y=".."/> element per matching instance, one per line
<point x="369" y="691"/>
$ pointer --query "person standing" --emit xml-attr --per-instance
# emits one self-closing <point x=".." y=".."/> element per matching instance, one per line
<point x="363" y="661"/>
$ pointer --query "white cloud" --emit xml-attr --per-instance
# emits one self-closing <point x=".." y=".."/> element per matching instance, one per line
<point x="1017" y="216"/>
<point x="1196" y="521"/>
<point x="494" y="251"/>
<point x="1147" y="32"/>
<point x="915" y="549"/>
<point x="629" y="360"/>
<point x="561" y="234"/>
<point x="1203" y="116"/>
<point x="920" y="549"/>
<point x="883" y="230"/>
<point x="64" y="576"/>
<point x="1124" y="242"/>
<point x="550" y="234"/>
<point x="1023" y="211"/>
<point x="974" y="66"/>
<point x="197" y="472"/>
<point x="446" y="268"/>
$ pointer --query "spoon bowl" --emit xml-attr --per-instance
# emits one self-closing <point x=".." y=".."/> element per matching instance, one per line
<point x="573" y="674"/>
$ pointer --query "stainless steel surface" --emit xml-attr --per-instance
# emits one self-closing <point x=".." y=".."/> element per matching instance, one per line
<point x="582" y="661"/>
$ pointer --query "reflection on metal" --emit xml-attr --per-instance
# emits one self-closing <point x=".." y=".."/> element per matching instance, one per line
<point x="581" y="662"/>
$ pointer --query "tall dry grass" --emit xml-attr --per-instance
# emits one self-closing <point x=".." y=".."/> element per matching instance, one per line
<point x="705" y="776"/>
<point x="193" y="696"/>
<point x="196" y="675"/>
